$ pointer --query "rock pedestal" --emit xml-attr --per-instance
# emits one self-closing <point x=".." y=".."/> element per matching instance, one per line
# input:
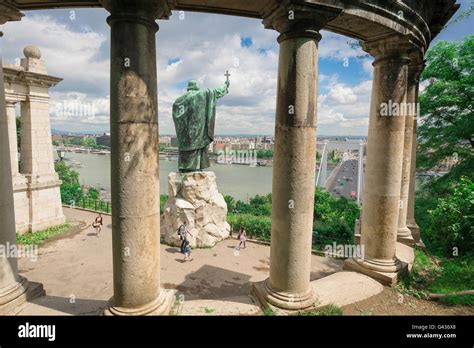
<point x="194" y="198"/>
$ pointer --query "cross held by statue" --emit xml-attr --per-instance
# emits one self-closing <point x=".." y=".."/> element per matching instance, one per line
<point x="227" y="75"/>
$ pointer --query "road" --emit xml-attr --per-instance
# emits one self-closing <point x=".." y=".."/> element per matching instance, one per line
<point x="346" y="180"/>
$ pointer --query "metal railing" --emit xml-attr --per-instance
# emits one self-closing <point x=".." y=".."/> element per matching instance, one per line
<point x="91" y="204"/>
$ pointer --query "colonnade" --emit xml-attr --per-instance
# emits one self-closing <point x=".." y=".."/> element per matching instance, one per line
<point x="387" y="214"/>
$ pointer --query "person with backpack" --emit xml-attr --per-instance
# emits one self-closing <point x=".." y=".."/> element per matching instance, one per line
<point x="183" y="232"/>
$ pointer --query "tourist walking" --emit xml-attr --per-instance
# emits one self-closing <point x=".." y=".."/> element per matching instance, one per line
<point x="187" y="252"/>
<point x="183" y="232"/>
<point x="241" y="237"/>
<point x="97" y="224"/>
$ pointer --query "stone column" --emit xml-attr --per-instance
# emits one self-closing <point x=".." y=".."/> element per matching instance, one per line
<point x="134" y="158"/>
<point x="12" y="135"/>
<point x="382" y="179"/>
<point x="288" y="286"/>
<point x="411" y="223"/>
<point x="404" y="234"/>
<point x="14" y="289"/>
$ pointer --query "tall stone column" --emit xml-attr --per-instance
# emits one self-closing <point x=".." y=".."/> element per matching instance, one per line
<point x="134" y="158"/>
<point x="14" y="289"/>
<point x="411" y="223"/>
<point x="288" y="286"/>
<point x="12" y="135"/>
<point x="382" y="182"/>
<point x="404" y="234"/>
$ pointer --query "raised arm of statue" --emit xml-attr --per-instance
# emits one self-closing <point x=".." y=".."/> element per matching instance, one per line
<point x="223" y="90"/>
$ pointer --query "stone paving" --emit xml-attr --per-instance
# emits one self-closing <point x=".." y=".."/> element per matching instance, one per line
<point x="76" y="271"/>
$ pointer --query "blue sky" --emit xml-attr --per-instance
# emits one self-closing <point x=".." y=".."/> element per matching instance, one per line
<point x="75" y="46"/>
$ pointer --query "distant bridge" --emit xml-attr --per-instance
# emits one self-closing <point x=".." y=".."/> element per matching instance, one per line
<point x="322" y="180"/>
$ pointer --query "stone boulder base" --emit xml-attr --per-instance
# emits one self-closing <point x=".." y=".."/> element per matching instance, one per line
<point x="194" y="198"/>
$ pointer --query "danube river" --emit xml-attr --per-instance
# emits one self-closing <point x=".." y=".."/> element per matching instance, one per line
<point x="239" y="181"/>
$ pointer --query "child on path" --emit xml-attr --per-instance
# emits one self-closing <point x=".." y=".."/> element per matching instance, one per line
<point x="241" y="237"/>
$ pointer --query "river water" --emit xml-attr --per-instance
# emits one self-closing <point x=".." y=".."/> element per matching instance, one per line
<point x="240" y="181"/>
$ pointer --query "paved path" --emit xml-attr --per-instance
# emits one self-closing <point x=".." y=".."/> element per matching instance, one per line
<point x="76" y="271"/>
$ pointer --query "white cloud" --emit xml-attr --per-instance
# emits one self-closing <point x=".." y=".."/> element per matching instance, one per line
<point x="202" y="47"/>
<point x="67" y="53"/>
<point x="344" y="109"/>
<point x="342" y="94"/>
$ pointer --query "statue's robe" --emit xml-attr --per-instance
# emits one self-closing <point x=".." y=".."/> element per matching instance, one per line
<point x="194" y="116"/>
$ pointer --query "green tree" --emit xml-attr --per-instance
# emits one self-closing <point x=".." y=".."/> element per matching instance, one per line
<point x="264" y="153"/>
<point x="93" y="193"/>
<point x="71" y="190"/>
<point x="88" y="142"/>
<point x="446" y="127"/>
<point x="163" y="200"/>
<point x="229" y="200"/>
<point x="328" y="209"/>
<point x="450" y="231"/>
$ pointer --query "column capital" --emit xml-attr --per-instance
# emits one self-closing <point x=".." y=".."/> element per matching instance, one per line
<point x="416" y="66"/>
<point x="146" y="11"/>
<point x="395" y="47"/>
<point x="297" y="20"/>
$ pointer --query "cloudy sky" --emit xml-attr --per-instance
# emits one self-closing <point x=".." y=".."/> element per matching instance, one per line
<point x="75" y="46"/>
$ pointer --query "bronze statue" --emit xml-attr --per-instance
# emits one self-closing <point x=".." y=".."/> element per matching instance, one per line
<point x="194" y="116"/>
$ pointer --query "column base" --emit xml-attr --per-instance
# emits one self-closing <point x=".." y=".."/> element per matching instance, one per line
<point x="160" y="306"/>
<point x="18" y="294"/>
<point x="383" y="272"/>
<point x="283" y="301"/>
<point x="415" y="231"/>
<point x="404" y="236"/>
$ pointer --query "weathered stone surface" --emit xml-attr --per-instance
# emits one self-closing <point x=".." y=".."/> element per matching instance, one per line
<point x="36" y="186"/>
<point x="194" y="198"/>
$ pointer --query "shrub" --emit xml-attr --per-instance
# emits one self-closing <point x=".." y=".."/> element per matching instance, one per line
<point x="163" y="199"/>
<point x="71" y="190"/>
<point x="255" y="226"/>
<point x="258" y="205"/>
<point x="93" y="193"/>
<point x="332" y="210"/>
<point x="230" y="201"/>
<point x="451" y="225"/>
<point x="329" y="233"/>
